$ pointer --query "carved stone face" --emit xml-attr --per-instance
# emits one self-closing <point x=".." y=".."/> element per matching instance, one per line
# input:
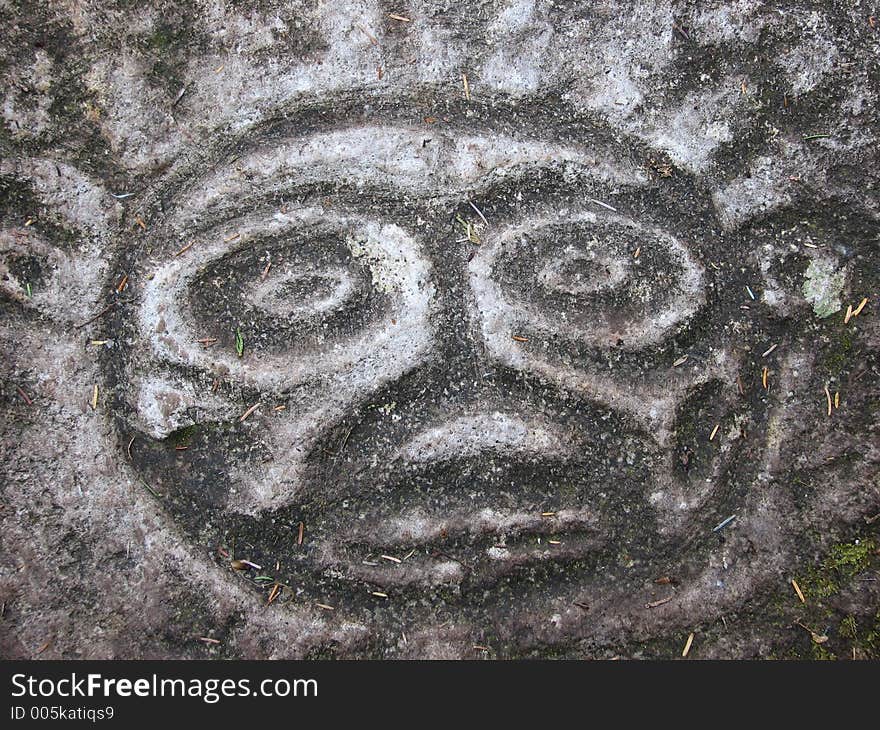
<point x="507" y="324"/>
<point x="485" y="365"/>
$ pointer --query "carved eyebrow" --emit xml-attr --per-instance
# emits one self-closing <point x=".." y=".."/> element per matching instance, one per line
<point x="394" y="158"/>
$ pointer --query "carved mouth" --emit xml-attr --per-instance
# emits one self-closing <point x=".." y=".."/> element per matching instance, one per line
<point x="475" y="498"/>
<point x="423" y="549"/>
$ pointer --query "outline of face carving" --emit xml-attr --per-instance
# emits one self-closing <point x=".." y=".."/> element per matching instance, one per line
<point x="461" y="347"/>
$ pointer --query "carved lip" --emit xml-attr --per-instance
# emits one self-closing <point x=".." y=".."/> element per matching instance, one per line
<point x="418" y="549"/>
<point x="427" y="543"/>
<point x="418" y="527"/>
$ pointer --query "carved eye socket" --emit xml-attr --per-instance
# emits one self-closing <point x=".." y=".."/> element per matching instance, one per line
<point x="289" y="291"/>
<point x="595" y="280"/>
<point x="312" y="293"/>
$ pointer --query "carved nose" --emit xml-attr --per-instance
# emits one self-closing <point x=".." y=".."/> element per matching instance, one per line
<point x="498" y="463"/>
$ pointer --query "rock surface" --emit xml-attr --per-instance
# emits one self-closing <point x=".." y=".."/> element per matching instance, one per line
<point x="497" y="329"/>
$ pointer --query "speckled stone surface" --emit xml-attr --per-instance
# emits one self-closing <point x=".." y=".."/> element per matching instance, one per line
<point x="438" y="330"/>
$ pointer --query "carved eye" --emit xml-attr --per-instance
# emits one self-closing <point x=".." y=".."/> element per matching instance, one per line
<point x="312" y="294"/>
<point x="291" y="292"/>
<point x="598" y="280"/>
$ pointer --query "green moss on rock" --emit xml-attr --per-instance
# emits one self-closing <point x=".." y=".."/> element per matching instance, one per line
<point x="822" y="287"/>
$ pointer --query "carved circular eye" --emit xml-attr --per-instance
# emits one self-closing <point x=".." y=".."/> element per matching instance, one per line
<point x="595" y="280"/>
<point x="306" y="294"/>
<point x="290" y="292"/>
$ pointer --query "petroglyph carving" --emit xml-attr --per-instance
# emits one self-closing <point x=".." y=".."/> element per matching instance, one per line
<point x="470" y="328"/>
